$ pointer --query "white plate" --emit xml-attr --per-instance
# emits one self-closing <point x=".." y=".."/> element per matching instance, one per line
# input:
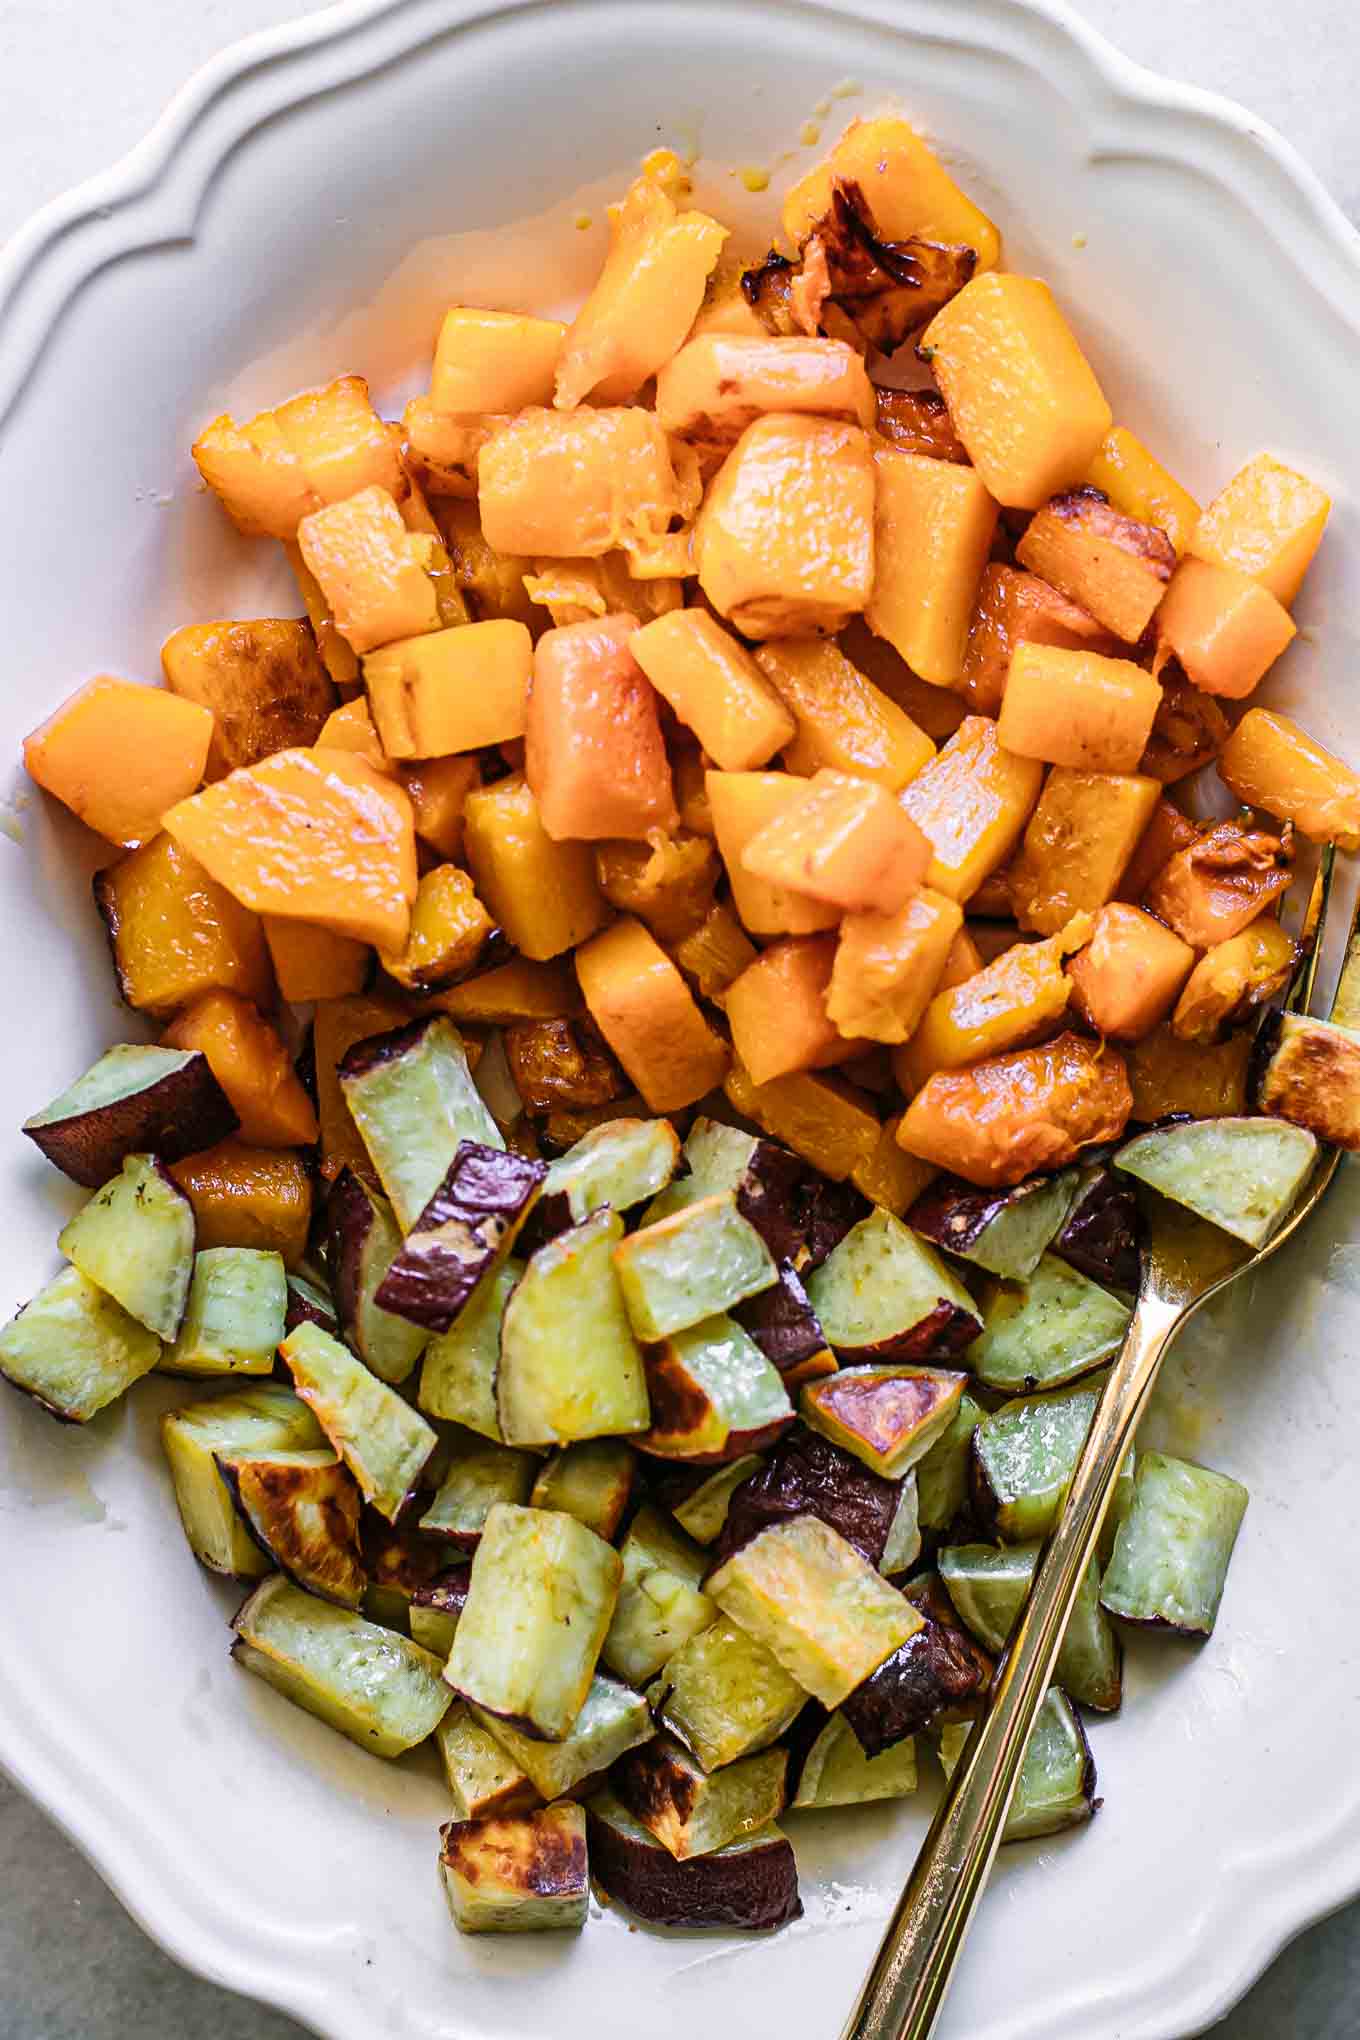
<point x="308" y="206"/>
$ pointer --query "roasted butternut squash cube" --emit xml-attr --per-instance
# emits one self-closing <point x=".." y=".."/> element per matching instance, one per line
<point x="890" y="1177"/>
<point x="1232" y="979"/>
<point x="491" y="583"/>
<point x="777" y="1013"/>
<point x="667" y="882"/>
<point x="1036" y="1108"/>
<point x="1114" y="566"/>
<point x="594" y="753"/>
<point x="562" y="1065"/>
<point x="1136" y="483"/>
<point x="1189" y="729"/>
<point x="577" y="485"/>
<point x="449" y="930"/>
<point x="645" y="300"/>
<point x="283" y="464"/>
<point x="309" y="836"/>
<point x="360" y="552"/>
<point x="918" y="421"/>
<point x="726" y="307"/>
<point x="493" y="361"/>
<point x="351" y="728"/>
<point x="716" y="953"/>
<point x="444" y="449"/>
<point x="1171" y="1077"/>
<point x="646" y="1012"/>
<point x="248" y="1197"/>
<point x="118" y="755"/>
<point x="820" y="1118"/>
<point x="1268" y="523"/>
<point x="1078" y="845"/>
<point x="1226" y="629"/>
<point x="716" y="386"/>
<point x="175" y="933"/>
<point x="438" y="789"/>
<point x="1013" y="1001"/>
<point x="742" y="804"/>
<point x="311" y="963"/>
<point x="253" y="1067"/>
<point x="1270" y="763"/>
<point x="908" y="191"/>
<point x="1218" y="884"/>
<point x="263" y="682"/>
<point x="518" y="990"/>
<point x="1167" y="832"/>
<point x="255" y="475"/>
<point x="972" y="800"/>
<point x="1077" y="708"/>
<point x="936" y="710"/>
<point x="888" y="966"/>
<point x="1022" y="395"/>
<point x="541" y="894"/>
<point x="1130" y="974"/>
<point x="784" y="539"/>
<point x="451" y="690"/>
<point x="843" y="721"/>
<point x="1015" y="607"/>
<point x="933" y="529"/>
<point x="715" y="687"/>
<point x="847" y="843"/>
<point x="337" y="655"/>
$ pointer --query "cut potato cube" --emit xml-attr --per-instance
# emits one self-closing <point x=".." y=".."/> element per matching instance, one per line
<point x="1057" y="1784"/>
<point x="692" y="1814"/>
<point x="1077" y="709"/>
<point x="493" y="361"/>
<point x="933" y="530"/>
<point x="480" y="1474"/>
<point x="363" y="1240"/>
<point x="888" y="965"/>
<point x="234" y="1318"/>
<point x="1268" y="522"/>
<point x="972" y="800"/>
<point x="751" y="1885"/>
<point x="646" y="1012"/>
<point x="777" y="1009"/>
<point x="135" y="1240"/>
<point x="844" y="722"/>
<point x="542" y="894"/>
<point x="613" y="1720"/>
<point x="1035" y="1108"/>
<point x="261" y="1419"/>
<point x="1140" y="486"/>
<point x="302" y="1508"/>
<point x="942" y="1476"/>
<point x="412" y="1097"/>
<point x="1003" y="1231"/>
<point x="704" y="1510"/>
<point x="690" y="1266"/>
<point x="175" y="933"/>
<point x="715" y="687"/>
<point x="569" y="1366"/>
<point x="621" y="1165"/>
<point x="1243" y="1175"/>
<point x="592" y="1481"/>
<point x="118" y="754"/>
<point x="250" y="1062"/>
<point x="382" y="1440"/>
<point x="74" y="1349"/>
<point x="484" y="1780"/>
<point x="594" y="754"/>
<point x="836" y="1772"/>
<point x="463" y="1234"/>
<point x="1269" y="762"/>
<point x="724" y="1695"/>
<point x="713" y="1393"/>
<point x="1312" y="1078"/>
<point x="1023" y="1458"/>
<point x="1046" y="1330"/>
<point x="1217" y="885"/>
<point x="743" y="805"/>
<point x="909" y="193"/>
<point x="451" y="690"/>
<point x="458" y="1372"/>
<point x="1115" y="566"/>
<point x="263" y="682"/>
<point x="884" y="1293"/>
<point x="661" y="1604"/>
<point x="1171" y="1555"/>
<point x="888" y="1417"/>
<point x="1130" y="974"/>
<point x="577" y="485"/>
<point x="361" y="555"/>
<point x="846" y="843"/>
<point x="1226" y="629"/>
<point x="517" y="1873"/>
<point x="1016" y="999"/>
<point x="988" y="1585"/>
<point x="1078" y="844"/>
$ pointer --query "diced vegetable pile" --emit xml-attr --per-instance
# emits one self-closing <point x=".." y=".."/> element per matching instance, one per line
<point x="667" y="979"/>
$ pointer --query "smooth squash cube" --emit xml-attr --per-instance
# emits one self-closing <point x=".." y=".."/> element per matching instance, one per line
<point x="448" y="691"/>
<point x="1078" y="845"/>
<point x="933" y="529"/>
<point x="493" y="361"/>
<point x="1015" y="607"/>
<point x="311" y="963"/>
<point x="575" y="485"/>
<point x="1114" y="566"/>
<point x="1171" y="1077"/>
<point x="256" y="476"/>
<point x="1217" y="885"/>
<point x="972" y="800"/>
<point x="248" y="1197"/>
<point x="1226" y="629"/>
<point x="888" y="965"/>
<point x="175" y="933"/>
<point x="847" y="843"/>
<point x="309" y="836"/>
<point x="253" y="1067"/>
<point x="646" y="1012"/>
<point x="119" y="754"/>
<point x="843" y="721"/>
<point x="716" y="385"/>
<point x="1035" y="1108"/>
<point x="777" y="1012"/>
<point x="449" y="929"/>
<point x="1077" y="708"/>
<point x="518" y="990"/>
<point x="1022" y="395"/>
<point x="1268" y="522"/>
<point x="819" y="1118"/>
<point x="491" y="583"/>
<point x="906" y="188"/>
<point x="276" y="468"/>
<point x="742" y="804"/>
<point x="1270" y="763"/>
<point x="594" y="753"/>
<point x="263" y="683"/>
<point x="1136" y="483"/>
<point x="542" y="893"/>
<point x="784" y="540"/>
<point x="1130" y="974"/>
<point x="361" y="555"/>
<point x="1013" y="1001"/>
<point x="715" y="687"/>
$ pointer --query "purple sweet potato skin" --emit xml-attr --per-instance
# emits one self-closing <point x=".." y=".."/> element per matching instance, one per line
<point x="181" y="1114"/>
<point x="756" y="1891"/>
<point x="806" y="1475"/>
<point x="447" y="1591"/>
<point x="784" y="1325"/>
<point x="461" y="1234"/>
<point x="1100" y="1237"/>
<point x="938" y="1669"/>
<point x="773" y="1195"/>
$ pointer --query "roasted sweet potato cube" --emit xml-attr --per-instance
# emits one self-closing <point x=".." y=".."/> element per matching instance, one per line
<point x="1130" y="974"/>
<point x="594" y="753"/>
<point x="742" y="804"/>
<point x="1013" y="607"/>
<point x="361" y="554"/>
<point x="918" y="421"/>
<point x="1232" y="979"/>
<point x="337" y="1025"/>
<point x="1226" y="629"/>
<point x="493" y="361"/>
<point x="1188" y="731"/>
<point x="1116" y="567"/>
<point x="253" y="1067"/>
<point x="667" y="883"/>
<point x="1036" y="1108"/>
<point x="561" y="1064"/>
<point x="1219" y="883"/>
<point x="175" y="933"/>
<point x="1016" y="999"/>
<point x="1268" y="522"/>
<point x="517" y="1873"/>
<point x="777" y="1009"/>
<point x="1167" y="832"/>
<point x="248" y="1197"/>
<point x="575" y="485"/>
<point x="843" y="720"/>
<point x="263" y="682"/>
<point x="1078" y="845"/>
<point x="908" y="191"/>
<point x="311" y="964"/>
<point x="847" y="842"/>
<point x="1171" y="1077"/>
<point x="933" y="529"/>
<point x="888" y="966"/>
<point x="646" y="1012"/>
<point x="889" y="1417"/>
<point x="972" y="800"/>
<point x="449" y="930"/>
<point x="715" y="687"/>
<point x="1312" y="1079"/>
<point x="1125" y="472"/>
<point x="118" y="755"/>
<point x="1270" y="763"/>
<point x="446" y="691"/>
<point x="1077" y="708"/>
<point x="542" y="894"/>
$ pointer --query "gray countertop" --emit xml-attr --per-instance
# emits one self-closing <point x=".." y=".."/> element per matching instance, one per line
<point x="73" y="1966"/>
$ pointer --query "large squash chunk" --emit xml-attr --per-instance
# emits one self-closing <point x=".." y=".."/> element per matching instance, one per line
<point x="1171" y="1077"/>
<point x="541" y="893"/>
<point x="1014" y="607"/>
<point x="1113" y="565"/>
<point x="367" y="568"/>
<point x="1083" y="833"/>
<point x="784" y="540"/>
<point x="718" y="384"/>
<point x="742" y="804"/>
<point x="594" y="754"/>
<point x="263" y="682"/>
<point x="318" y="448"/>
<point x="909" y="193"/>
<point x="1023" y="397"/>
<point x="843" y="720"/>
<point x="118" y="755"/>
<point x="972" y="800"/>
<point x="777" y="1009"/>
<point x="646" y="1012"/>
<point x="253" y="1067"/>
<point x="1136" y="483"/>
<point x="1130" y="974"/>
<point x="888" y="965"/>
<point x="248" y="1197"/>
<point x="645" y="300"/>
<point x="933" y="530"/>
<point x="312" y="964"/>
<point x="1212" y="889"/>
<point x="176" y="934"/>
<point x="1268" y="523"/>
<point x="446" y="691"/>
<point x="847" y="842"/>
<point x="1076" y="708"/>
<point x="715" y="687"/>
<point x="1034" y="1109"/>
<point x="1226" y="629"/>
<point x="1016" y="999"/>
<point x="1270" y="763"/>
<point x="309" y="836"/>
<point x="493" y="361"/>
<point x="577" y="485"/>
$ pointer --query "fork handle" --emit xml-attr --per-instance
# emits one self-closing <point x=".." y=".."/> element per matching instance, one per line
<point x="905" y="1989"/>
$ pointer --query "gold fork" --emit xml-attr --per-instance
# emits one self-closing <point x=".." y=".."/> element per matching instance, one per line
<point x="1185" y="1262"/>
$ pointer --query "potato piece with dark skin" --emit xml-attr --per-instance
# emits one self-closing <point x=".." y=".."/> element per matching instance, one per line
<point x="750" y="1885"/>
<point x="807" y="1475"/>
<point x="302" y="1509"/>
<point x="462" y="1235"/>
<point x="937" y="1671"/>
<point x="134" y="1100"/>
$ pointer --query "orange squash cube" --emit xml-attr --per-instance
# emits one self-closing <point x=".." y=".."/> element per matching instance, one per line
<point x="1036" y="1108"/>
<point x="1226" y="629"/>
<point x="118" y="755"/>
<point x="518" y="990"/>
<point x="451" y="690"/>
<point x="311" y="963"/>
<point x="1170" y="1076"/>
<point x="438" y="790"/>
<point x="1268" y="523"/>
<point x="278" y="467"/>
<point x="1167" y="832"/>
<point x="890" y="1177"/>
<point x="645" y="300"/>
<point x="715" y="687"/>
<point x="248" y="1197"/>
<point x="742" y="803"/>
<point x="1217" y="885"/>
<point x="972" y="800"/>
<point x="449" y="930"/>
<point x="263" y="683"/>
<point x="339" y="658"/>
<point x="445" y="449"/>
<point x="576" y="486"/>
<point x="1022" y="395"/>
<point x="594" y="754"/>
<point x="360" y="552"/>
<point x="256" y="476"/>
<point x="1130" y="974"/>
<point x="491" y="583"/>
<point x="717" y="385"/>
<point x="1232" y="979"/>
<point x="846" y="843"/>
<point x="1136" y="483"/>
<point x="542" y="894"/>
<point x="888" y="966"/>
<point x="909" y="193"/>
<point x="1270" y="763"/>
<point x="933" y="530"/>
<point x="1077" y="708"/>
<point x="351" y="729"/>
<point x="1078" y="845"/>
<point x="493" y="361"/>
<point x="667" y="882"/>
<point x="936" y="710"/>
<point x="777" y="1013"/>
<point x="1112" y="565"/>
<point x="253" y="1067"/>
<point x="646" y="1012"/>
<point x="309" y="836"/>
<point x="1014" y="607"/>
<point x="820" y="1118"/>
<point x="1016" y="999"/>
<point x="843" y="721"/>
<point x="963" y="961"/>
<point x="175" y="933"/>
<point x="784" y="540"/>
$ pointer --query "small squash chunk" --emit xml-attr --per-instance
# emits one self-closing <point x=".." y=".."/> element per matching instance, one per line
<point x="715" y="386"/>
<point x="1036" y="1108"/>
<point x="118" y="754"/>
<point x="888" y="965"/>
<point x="1130" y="974"/>
<point x="577" y="485"/>
<point x="933" y="530"/>
<point x="518" y="990"/>
<point x="777" y="1012"/>
<point x="1138" y="485"/>
<point x="309" y="836"/>
<point x="352" y="728"/>
<point x="1171" y="1077"/>
<point x="645" y="300"/>
<point x="263" y="682"/>
<point x="443" y="449"/>
<point x="336" y="654"/>
<point x="253" y="1067"/>
<point x="449" y="930"/>
<point x="1115" y="566"/>
<point x="1268" y="522"/>
<point x="646" y="1012"/>
<point x="908" y="191"/>
<point x="846" y="843"/>
<point x="1022" y="395"/>
<point x="1188" y="731"/>
<point x="1226" y="629"/>
<point x="1013" y="607"/>
<point x="1270" y="763"/>
<point x="256" y="475"/>
<point x="1219" y="884"/>
<point x="1312" y="1078"/>
<point x="438" y="789"/>
<point x="784" y="540"/>
<point x="451" y="690"/>
<point x="517" y="1873"/>
<point x="843" y="721"/>
<point x="542" y="894"/>
<point x="1232" y="979"/>
<point x="319" y="447"/>
<point x="594" y="754"/>
<point x="715" y="687"/>
<point x="918" y="421"/>
<point x="890" y="1177"/>
<point x="1016" y="999"/>
<point x="175" y="933"/>
<point x="1077" y="847"/>
<point x="336" y="1025"/>
<point x="972" y="800"/>
<point x="561" y="1065"/>
<point x="493" y="361"/>
<point x="716" y="954"/>
<point x="248" y="1197"/>
<point x="1167" y="832"/>
<point x="361" y="555"/>
<point x="382" y="1440"/>
<point x="1078" y="709"/>
<point x="668" y="882"/>
<point x="824" y="1122"/>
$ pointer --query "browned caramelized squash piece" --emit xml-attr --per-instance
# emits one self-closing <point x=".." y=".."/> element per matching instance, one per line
<point x="1113" y="566"/>
<point x="1218" y="884"/>
<point x="562" y="1065"/>
<point x="263" y="681"/>
<point x="1014" y="607"/>
<point x="248" y="1197"/>
<point x="1038" y="1108"/>
<point x="918" y="421"/>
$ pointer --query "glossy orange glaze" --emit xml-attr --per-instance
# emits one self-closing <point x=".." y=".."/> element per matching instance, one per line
<point x="1232" y="979"/>
<point x="594" y="754"/>
<point x="1130" y="974"/>
<point x="176" y="933"/>
<point x="493" y="361"/>
<point x="742" y="803"/>
<point x="717" y="384"/>
<point x="715" y="687"/>
<point x="1270" y="763"/>
<point x="1167" y="832"/>
<point x="1078" y="845"/>
<point x="253" y="1067"/>
<point x="843" y="721"/>
<point x="1077" y="708"/>
<point x="933" y="530"/>
<point x="972" y="801"/>
<point x="1140" y="486"/>
<point x="577" y="484"/>
<point x="360" y="554"/>
<point x="1035" y="1109"/>
<point x="248" y="1197"/>
<point x="1014" y="1000"/>
<point x="450" y="691"/>
<point x="1219" y="883"/>
<point x="1169" y="1076"/>
<point x="888" y="966"/>
<point x="847" y="843"/>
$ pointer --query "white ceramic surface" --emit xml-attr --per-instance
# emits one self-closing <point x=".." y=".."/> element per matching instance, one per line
<point x="307" y="206"/>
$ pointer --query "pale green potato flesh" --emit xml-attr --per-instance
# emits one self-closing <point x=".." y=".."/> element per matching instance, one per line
<point x="942" y="1475"/>
<point x="1026" y="1452"/>
<point x="660" y="1603"/>
<point x="1047" y="1330"/>
<point x="382" y="1440"/>
<point x="412" y="1114"/>
<point x="613" y="1719"/>
<point x="480" y="1475"/>
<point x="692" y="1266"/>
<point x="703" y="1513"/>
<point x="1243" y="1175"/>
<point x="1056" y="1788"/>
<point x="724" y="1695"/>
<point x="135" y="1241"/>
<point x="1170" y="1558"/>
<point x="266" y="1418"/>
<point x="458" y="1372"/>
<point x="879" y="1282"/>
<point x="618" y="1164"/>
<point x="693" y="1813"/>
<point x="988" y="1585"/>
<point x="570" y="1367"/>
<point x="238" y="1301"/>
<point x="522" y="1873"/>
<point x="483" y="1777"/>
<point x="591" y="1481"/>
<point x="837" y="1772"/>
<point x="75" y="1349"/>
<point x="715" y="1366"/>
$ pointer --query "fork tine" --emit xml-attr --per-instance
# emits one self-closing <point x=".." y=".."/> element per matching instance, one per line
<point x="1300" y="994"/>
